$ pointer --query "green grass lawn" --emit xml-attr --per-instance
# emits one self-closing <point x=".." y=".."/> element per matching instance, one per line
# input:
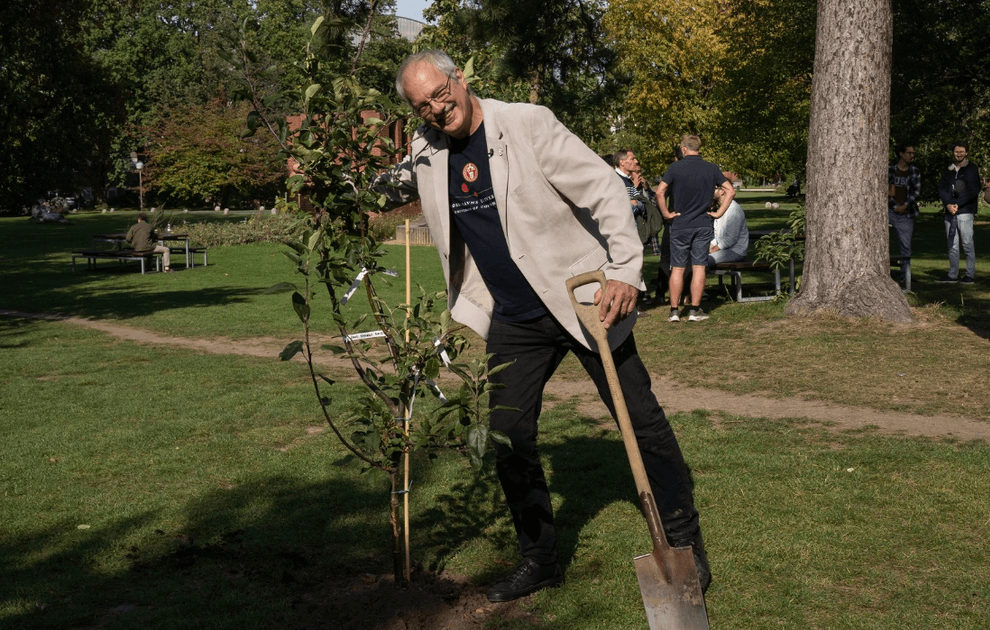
<point x="147" y="486"/>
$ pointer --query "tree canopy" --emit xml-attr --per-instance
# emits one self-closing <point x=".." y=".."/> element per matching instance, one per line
<point x="84" y="80"/>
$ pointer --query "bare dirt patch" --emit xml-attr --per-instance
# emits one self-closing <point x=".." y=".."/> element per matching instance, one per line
<point x="428" y="602"/>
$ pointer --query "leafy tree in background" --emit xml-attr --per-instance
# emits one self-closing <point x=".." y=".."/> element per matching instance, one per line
<point x="58" y="106"/>
<point x="197" y="157"/>
<point x="764" y="98"/>
<point x="671" y="55"/>
<point x="554" y="53"/>
<point x="940" y="89"/>
<point x="169" y="56"/>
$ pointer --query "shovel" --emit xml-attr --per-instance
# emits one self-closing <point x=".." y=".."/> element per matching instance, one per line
<point x="668" y="577"/>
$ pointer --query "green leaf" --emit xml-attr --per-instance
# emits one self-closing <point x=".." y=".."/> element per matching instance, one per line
<point x="253" y="120"/>
<point x="314" y="240"/>
<point x="499" y="368"/>
<point x="316" y="25"/>
<point x="300" y="306"/>
<point x="311" y="91"/>
<point x="500" y="438"/>
<point x="291" y="350"/>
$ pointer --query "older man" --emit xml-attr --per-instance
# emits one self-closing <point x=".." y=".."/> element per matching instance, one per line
<point x="628" y="169"/>
<point x="516" y="205"/>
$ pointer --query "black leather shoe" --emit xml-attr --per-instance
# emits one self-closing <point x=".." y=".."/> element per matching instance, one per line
<point x="528" y="577"/>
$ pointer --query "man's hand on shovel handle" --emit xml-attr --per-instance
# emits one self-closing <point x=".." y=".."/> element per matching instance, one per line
<point x="619" y="301"/>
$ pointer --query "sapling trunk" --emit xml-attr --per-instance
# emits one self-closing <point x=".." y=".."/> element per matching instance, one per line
<point x="395" y="519"/>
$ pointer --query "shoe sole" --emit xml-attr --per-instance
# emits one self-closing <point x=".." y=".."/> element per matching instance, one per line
<point x="554" y="582"/>
<point x="673" y="319"/>
<point x="697" y="319"/>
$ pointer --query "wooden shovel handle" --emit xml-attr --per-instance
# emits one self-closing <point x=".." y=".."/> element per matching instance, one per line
<point x="588" y="316"/>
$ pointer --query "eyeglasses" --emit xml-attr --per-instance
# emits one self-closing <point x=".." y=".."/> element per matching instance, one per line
<point x="425" y="109"/>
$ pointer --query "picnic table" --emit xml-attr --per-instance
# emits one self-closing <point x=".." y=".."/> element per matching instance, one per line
<point x="121" y="237"/>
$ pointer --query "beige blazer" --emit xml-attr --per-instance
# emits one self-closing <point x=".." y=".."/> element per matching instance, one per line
<point x="563" y="211"/>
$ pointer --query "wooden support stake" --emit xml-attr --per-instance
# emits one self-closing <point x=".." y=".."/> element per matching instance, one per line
<point x="405" y="496"/>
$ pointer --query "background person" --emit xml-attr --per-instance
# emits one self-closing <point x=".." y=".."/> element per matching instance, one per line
<point x="731" y="242"/>
<point x="959" y="190"/>
<point x="691" y="180"/>
<point x="902" y="204"/>
<point x="641" y="197"/>
<point x="142" y="238"/>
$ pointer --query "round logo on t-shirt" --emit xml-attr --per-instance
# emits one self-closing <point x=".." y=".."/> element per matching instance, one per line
<point x="470" y="172"/>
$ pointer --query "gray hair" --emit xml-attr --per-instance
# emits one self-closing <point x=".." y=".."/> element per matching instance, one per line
<point x="436" y="58"/>
<point x="620" y="155"/>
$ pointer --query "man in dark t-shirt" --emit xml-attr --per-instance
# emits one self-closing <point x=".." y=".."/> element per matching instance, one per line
<point x="517" y="204"/>
<point x="693" y="181"/>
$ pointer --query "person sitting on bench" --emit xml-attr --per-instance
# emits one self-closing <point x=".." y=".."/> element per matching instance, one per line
<point x="731" y="240"/>
<point x="141" y="236"/>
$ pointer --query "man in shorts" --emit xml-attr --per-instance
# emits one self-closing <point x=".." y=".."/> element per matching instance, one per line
<point x="692" y="181"/>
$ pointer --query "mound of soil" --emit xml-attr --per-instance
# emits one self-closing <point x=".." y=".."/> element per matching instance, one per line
<point x="370" y="601"/>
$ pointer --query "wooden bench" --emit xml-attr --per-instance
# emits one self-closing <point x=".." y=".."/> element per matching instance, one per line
<point x="121" y="255"/>
<point x="735" y="271"/>
<point x="904" y="264"/>
<point x="192" y="254"/>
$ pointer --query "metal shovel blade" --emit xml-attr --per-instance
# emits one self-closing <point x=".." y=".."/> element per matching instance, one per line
<point x="677" y="603"/>
<point x="668" y="577"/>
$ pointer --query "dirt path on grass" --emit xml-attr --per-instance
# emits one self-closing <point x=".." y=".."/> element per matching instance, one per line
<point x="673" y="396"/>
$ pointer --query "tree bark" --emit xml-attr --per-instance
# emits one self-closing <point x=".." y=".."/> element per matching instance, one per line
<point x="847" y="266"/>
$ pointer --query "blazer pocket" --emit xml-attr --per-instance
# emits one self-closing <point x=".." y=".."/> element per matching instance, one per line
<point x="595" y="259"/>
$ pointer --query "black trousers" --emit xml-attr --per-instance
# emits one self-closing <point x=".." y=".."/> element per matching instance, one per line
<point x="537" y="347"/>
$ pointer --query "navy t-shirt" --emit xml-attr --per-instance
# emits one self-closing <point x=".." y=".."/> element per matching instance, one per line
<point x="693" y="181"/>
<point x="475" y="214"/>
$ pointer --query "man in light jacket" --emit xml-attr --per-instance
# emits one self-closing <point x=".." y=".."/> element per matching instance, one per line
<point x="516" y="205"/>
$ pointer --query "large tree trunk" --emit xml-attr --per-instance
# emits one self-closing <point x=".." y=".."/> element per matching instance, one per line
<point x="847" y="267"/>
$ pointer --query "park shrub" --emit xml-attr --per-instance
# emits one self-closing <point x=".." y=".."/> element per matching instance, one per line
<point x="258" y="228"/>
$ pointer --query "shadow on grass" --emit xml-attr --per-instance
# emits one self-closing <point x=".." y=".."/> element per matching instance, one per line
<point x="274" y="552"/>
<point x="243" y="554"/>
<point x="84" y="294"/>
<point x="588" y="474"/>
<point x="139" y="302"/>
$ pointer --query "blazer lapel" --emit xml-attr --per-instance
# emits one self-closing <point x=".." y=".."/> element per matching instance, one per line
<point x="439" y="149"/>
<point x="498" y="163"/>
